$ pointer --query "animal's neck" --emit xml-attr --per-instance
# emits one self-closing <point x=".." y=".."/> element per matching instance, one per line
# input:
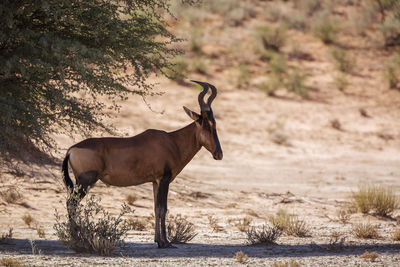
<point x="186" y="140"/>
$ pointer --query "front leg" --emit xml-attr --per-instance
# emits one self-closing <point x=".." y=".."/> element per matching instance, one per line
<point x="156" y="214"/>
<point x="161" y="204"/>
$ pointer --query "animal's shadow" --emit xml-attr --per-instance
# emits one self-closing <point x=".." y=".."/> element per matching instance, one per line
<point x="193" y="250"/>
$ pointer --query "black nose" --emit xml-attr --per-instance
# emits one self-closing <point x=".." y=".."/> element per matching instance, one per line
<point x="218" y="155"/>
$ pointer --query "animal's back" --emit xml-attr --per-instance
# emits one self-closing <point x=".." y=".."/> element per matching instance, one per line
<point x="123" y="161"/>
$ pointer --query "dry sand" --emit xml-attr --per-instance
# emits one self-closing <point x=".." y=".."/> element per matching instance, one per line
<point x="312" y="174"/>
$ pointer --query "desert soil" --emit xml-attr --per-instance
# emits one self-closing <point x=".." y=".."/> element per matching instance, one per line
<point x="312" y="175"/>
<point x="280" y="152"/>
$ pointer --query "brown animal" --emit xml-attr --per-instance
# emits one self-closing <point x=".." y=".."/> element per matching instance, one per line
<point x="152" y="156"/>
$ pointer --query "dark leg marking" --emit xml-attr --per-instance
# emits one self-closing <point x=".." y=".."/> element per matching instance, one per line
<point x="162" y="198"/>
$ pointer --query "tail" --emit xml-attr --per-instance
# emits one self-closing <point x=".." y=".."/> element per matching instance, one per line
<point x="67" y="180"/>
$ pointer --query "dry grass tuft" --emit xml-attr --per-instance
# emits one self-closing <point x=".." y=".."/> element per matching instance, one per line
<point x="213" y="222"/>
<point x="243" y="224"/>
<point x="340" y="81"/>
<point x="381" y="200"/>
<point x="131" y="199"/>
<point x="396" y="235"/>
<point x="40" y="231"/>
<point x="251" y="212"/>
<point x="28" y="220"/>
<point x="344" y="62"/>
<point x="365" y="230"/>
<point x="290" y="224"/>
<point x="137" y="224"/>
<point x="241" y="257"/>
<point x="265" y="235"/>
<point x="180" y="230"/>
<point x="10" y="262"/>
<point x="343" y="215"/>
<point x="291" y="263"/>
<point x="6" y="237"/>
<point x="369" y="256"/>
<point x="92" y="229"/>
<point x="11" y="195"/>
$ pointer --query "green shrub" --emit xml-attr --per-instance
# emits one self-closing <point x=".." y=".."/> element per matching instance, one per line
<point x="340" y="81"/>
<point x="93" y="230"/>
<point x="272" y="37"/>
<point x="363" y="20"/>
<point x="297" y="21"/>
<point x="295" y="82"/>
<point x="199" y="66"/>
<point x="243" y="79"/>
<point x="236" y="17"/>
<point x="196" y="41"/>
<point x="278" y="64"/>
<point x="391" y="76"/>
<point x="222" y="6"/>
<point x="344" y="62"/>
<point x="326" y="29"/>
<point x="178" y="71"/>
<point x="390" y="30"/>
<point x="274" y="12"/>
<point x="271" y="85"/>
<point x="309" y="7"/>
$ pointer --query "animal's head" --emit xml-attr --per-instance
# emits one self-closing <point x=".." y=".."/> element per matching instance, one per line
<point x="205" y="122"/>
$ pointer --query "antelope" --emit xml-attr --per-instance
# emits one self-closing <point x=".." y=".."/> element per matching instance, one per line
<point x="152" y="156"/>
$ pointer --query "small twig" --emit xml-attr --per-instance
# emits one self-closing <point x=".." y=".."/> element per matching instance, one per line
<point x="149" y="106"/>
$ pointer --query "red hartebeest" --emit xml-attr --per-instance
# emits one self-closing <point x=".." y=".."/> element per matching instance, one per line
<point x="152" y="156"/>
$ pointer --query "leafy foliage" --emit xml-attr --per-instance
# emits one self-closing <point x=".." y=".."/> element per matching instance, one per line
<point x="58" y="57"/>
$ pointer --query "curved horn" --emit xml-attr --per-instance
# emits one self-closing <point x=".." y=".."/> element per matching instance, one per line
<point x="213" y="95"/>
<point x="203" y="105"/>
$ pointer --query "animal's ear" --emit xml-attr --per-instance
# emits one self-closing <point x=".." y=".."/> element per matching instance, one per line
<point x="191" y="114"/>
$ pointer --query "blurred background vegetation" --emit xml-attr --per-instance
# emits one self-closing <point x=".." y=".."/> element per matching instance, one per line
<point x="52" y="50"/>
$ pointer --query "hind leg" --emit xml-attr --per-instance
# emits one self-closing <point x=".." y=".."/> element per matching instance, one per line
<point x="84" y="181"/>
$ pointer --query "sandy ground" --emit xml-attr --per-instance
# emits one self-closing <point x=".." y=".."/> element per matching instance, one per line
<point x="312" y="174"/>
<point x="279" y="153"/>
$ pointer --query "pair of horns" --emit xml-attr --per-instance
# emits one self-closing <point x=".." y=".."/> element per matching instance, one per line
<point x="203" y="105"/>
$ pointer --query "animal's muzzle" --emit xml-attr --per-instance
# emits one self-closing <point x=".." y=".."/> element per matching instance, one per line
<point x="218" y="155"/>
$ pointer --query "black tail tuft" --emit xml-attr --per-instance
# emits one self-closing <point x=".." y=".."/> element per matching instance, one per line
<point x="67" y="180"/>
